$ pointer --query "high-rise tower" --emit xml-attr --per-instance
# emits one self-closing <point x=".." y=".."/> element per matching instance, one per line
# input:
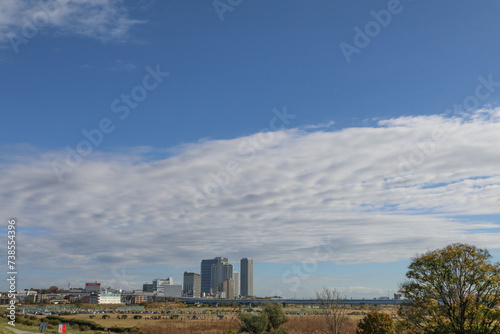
<point x="192" y="284"/>
<point x="246" y="277"/>
<point x="221" y="272"/>
<point x="206" y="273"/>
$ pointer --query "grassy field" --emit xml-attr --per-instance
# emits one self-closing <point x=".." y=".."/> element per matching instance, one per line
<point x="4" y="330"/>
<point x="35" y="329"/>
<point x="306" y="322"/>
<point x="130" y="322"/>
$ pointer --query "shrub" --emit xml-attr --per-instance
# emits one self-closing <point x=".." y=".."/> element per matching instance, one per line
<point x="279" y="331"/>
<point x="376" y="322"/>
<point x="254" y="324"/>
<point x="230" y="331"/>
<point x="275" y="315"/>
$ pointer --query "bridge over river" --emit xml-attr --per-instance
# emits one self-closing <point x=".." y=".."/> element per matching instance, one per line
<point x="286" y="302"/>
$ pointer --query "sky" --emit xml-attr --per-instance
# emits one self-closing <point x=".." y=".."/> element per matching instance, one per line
<point x="330" y="141"/>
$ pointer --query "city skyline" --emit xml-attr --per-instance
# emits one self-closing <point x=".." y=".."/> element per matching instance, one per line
<point x="330" y="142"/>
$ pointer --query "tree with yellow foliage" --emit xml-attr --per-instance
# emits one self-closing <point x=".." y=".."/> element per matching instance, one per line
<point x="452" y="290"/>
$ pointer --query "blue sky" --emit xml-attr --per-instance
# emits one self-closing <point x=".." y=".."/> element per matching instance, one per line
<point x="242" y="129"/>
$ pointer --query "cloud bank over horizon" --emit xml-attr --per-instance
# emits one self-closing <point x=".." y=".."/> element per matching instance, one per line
<point x="378" y="193"/>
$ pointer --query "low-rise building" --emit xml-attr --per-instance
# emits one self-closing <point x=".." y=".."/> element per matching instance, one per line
<point x="93" y="287"/>
<point x="174" y="291"/>
<point x="137" y="299"/>
<point x="105" y="298"/>
<point x="26" y="296"/>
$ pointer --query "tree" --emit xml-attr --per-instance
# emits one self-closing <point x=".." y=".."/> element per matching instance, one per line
<point x="334" y="309"/>
<point x="254" y="324"/>
<point x="275" y="316"/>
<point x="53" y="289"/>
<point x="452" y="290"/>
<point x="376" y="322"/>
<point x="268" y="320"/>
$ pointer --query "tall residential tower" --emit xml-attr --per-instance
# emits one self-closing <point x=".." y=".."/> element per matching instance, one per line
<point x="246" y="277"/>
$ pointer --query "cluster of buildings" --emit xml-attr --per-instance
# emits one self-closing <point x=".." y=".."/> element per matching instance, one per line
<point x="217" y="279"/>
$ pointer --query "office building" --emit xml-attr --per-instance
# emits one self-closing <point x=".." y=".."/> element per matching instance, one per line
<point x="92" y="287"/>
<point x="246" y="277"/>
<point x="206" y="273"/>
<point x="174" y="291"/>
<point x="220" y="273"/>
<point x="236" y="278"/>
<point x="160" y="283"/>
<point x="192" y="284"/>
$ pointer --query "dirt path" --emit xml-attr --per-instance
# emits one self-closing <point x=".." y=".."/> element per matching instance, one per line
<point x="17" y="331"/>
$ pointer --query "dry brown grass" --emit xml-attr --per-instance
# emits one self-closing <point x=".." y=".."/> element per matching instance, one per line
<point x="314" y="325"/>
<point x="295" y="325"/>
<point x="131" y="322"/>
<point x="305" y="323"/>
<point x="215" y="327"/>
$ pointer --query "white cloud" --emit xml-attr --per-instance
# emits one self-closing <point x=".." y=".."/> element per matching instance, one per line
<point x="121" y="65"/>
<point x="319" y="125"/>
<point x="101" y="19"/>
<point x="292" y="192"/>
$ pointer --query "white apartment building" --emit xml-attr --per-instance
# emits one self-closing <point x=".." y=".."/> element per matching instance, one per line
<point x="105" y="298"/>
